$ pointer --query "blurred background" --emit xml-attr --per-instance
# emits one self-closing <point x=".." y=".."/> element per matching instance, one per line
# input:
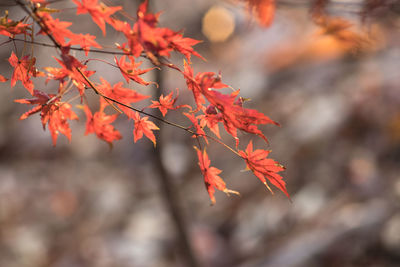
<point x="327" y="71"/>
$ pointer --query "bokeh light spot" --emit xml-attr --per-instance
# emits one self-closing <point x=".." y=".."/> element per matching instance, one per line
<point x="218" y="24"/>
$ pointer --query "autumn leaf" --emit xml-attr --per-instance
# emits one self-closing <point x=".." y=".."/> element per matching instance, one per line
<point x="52" y="112"/>
<point x="264" y="168"/>
<point x="149" y="18"/>
<point x="201" y="84"/>
<point x="165" y="103"/>
<point x="183" y="45"/>
<point x="56" y="28"/>
<point x="57" y="116"/>
<point x="233" y="115"/>
<point x="10" y="28"/>
<point x="119" y="93"/>
<point x="40" y="99"/>
<point x="236" y="117"/>
<point x="160" y="41"/>
<point x="131" y="70"/>
<point x="211" y="176"/>
<point x="85" y="41"/>
<point x="100" y="13"/>
<point x="59" y="32"/>
<point x="24" y="68"/>
<point x="143" y="126"/>
<point x="100" y="124"/>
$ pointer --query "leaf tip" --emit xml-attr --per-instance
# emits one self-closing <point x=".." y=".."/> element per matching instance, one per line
<point x="269" y="188"/>
<point x="228" y="192"/>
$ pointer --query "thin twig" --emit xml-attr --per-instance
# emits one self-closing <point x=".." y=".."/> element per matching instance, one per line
<point x="97" y="91"/>
<point x="72" y="48"/>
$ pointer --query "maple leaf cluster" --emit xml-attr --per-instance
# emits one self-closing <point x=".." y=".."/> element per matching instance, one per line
<point x="143" y="38"/>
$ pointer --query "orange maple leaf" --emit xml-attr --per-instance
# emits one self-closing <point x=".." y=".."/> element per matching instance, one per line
<point x="10" y="28"/>
<point x="264" y="167"/>
<point x="160" y="41"/>
<point x="143" y="126"/>
<point x="84" y="40"/>
<point x="100" y="13"/>
<point x="100" y="124"/>
<point x="52" y="112"/>
<point x="183" y="44"/>
<point x="56" y="28"/>
<point x="165" y="103"/>
<point x="234" y="116"/>
<point x="131" y="70"/>
<point x="201" y="84"/>
<point x="119" y="93"/>
<point x="211" y="176"/>
<point x="24" y="68"/>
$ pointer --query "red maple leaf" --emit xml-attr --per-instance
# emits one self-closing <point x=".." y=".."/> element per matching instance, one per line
<point x="236" y="117"/>
<point x="24" y="68"/>
<point x="100" y="13"/>
<point x="145" y="36"/>
<point x="263" y="167"/>
<point x="184" y="45"/>
<point x="119" y="93"/>
<point x="233" y="115"/>
<point x="160" y="41"/>
<point x="165" y="103"/>
<point x="85" y="41"/>
<point x="56" y="116"/>
<point x="143" y="126"/>
<point x="100" y="124"/>
<point x="56" y="28"/>
<point x="10" y="28"/>
<point x="131" y="70"/>
<point x="211" y="176"/>
<point x="148" y="18"/>
<point x="201" y="84"/>
<point x="148" y="34"/>
<point x="40" y="99"/>
<point x="52" y="112"/>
